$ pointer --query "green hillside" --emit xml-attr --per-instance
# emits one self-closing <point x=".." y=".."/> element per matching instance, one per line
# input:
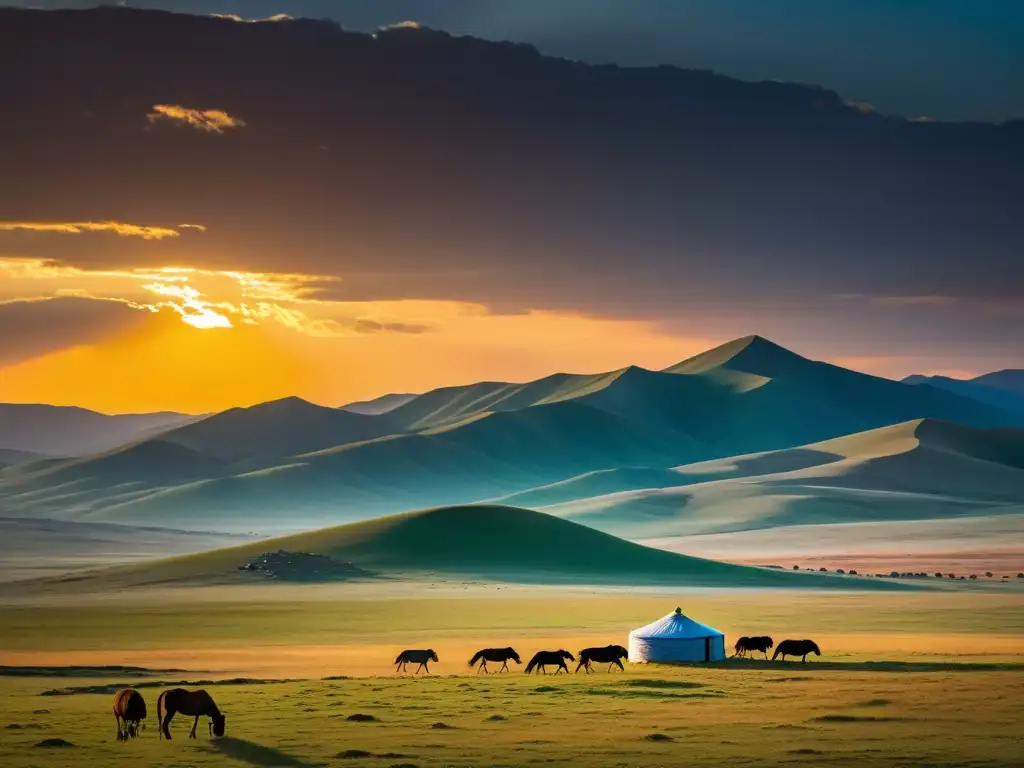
<point x="478" y="542"/>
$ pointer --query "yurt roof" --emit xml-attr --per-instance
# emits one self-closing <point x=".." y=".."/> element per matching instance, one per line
<point x="676" y="624"/>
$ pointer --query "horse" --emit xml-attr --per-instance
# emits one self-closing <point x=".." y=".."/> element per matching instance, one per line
<point x="495" y="654"/>
<point x="542" y="658"/>
<point x="796" y="648"/>
<point x="746" y="644"/>
<point x="191" y="703"/>
<point x="609" y="654"/>
<point x="130" y="713"/>
<point x="416" y="657"/>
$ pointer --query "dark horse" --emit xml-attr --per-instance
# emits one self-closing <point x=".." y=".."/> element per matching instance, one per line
<point x="747" y="644"/>
<point x="495" y="654"/>
<point x="191" y="703"/>
<point x="130" y="713"/>
<point x="416" y="657"/>
<point x="542" y="658"/>
<point x="609" y="654"/>
<point x="796" y="648"/>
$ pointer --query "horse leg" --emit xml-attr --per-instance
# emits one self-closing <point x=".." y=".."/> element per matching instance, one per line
<point x="120" y="736"/>
<point x="804" y="659"/>
<point x="619" y="662"/>
<point x="165" y="726"/>
<point x="504" y="667"/>
<point x="192" y="733"/>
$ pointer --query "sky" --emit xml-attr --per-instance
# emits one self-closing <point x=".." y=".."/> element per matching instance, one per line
<point x="949" y="59"/>
<point x="228" y="227"/>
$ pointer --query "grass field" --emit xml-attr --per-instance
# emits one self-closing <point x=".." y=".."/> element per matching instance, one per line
<point x="907" y="679"/>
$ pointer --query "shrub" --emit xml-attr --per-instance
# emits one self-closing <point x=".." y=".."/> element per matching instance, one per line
<point x="853" y="573"/>
<point x="823" y="570"/>
<point x="840" y="570"/>
<point x="796" y="567"/>
<point x="938" y="575"/>
<point x="988" y="574"/>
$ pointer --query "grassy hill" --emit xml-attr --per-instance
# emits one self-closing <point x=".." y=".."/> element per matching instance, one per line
<point x="477" y="542"/>
<point x="918" y="470"/>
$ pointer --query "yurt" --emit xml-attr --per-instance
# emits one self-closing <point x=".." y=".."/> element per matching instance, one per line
<point x="676" y="638"/>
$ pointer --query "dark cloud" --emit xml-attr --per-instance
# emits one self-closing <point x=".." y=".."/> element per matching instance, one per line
<point x="35" y="327"/>
<point x="485" y="172"/>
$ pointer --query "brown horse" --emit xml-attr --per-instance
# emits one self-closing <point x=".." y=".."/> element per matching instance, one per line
<point x="191" y="703"/>
<point x="423" y="658"/>
<point x="610" y="654"/>
<point x="746" y="644"/>
<point x="130" y="713"/>
<point x="796" y="648"/>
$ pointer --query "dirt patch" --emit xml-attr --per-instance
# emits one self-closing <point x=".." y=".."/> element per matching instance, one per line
<point x="658" y="737"/>
<point x="361" y="718"/>
<point x="353" y="754"/>
<point x="442" y="727"/>
<point x="497" y="718"/>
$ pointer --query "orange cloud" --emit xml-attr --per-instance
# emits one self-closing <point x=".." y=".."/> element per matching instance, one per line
<point x="210" y="120"/>
<point x="79" y="227"/>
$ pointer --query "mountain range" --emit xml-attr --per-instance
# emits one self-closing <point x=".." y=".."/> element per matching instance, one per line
<point x="1002" y="389"/>
<point x="565" y="439"/>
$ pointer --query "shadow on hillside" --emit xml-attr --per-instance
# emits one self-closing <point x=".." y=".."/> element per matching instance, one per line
<point x="256" y="754"/>
<point x="866" y="666"/>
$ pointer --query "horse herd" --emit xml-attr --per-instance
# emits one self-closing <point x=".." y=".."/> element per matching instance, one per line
<point x="130" y="707"/>
<point x="786" y="648"/>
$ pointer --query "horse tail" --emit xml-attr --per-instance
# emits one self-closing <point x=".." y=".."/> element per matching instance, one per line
<point x="401" y="658"/>
<point x="476" y="658"/>
<point x="160" y="712"/>
<point x="739" y="645"/>
<point x="531" y="665"/>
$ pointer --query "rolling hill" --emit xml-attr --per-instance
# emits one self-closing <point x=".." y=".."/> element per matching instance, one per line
<point x="470" y="542"/>
<point x="918" y="470"/>
<point x="491" y="454"/>
<point x="1002" y="389"/>
<point x="51" y="430"/>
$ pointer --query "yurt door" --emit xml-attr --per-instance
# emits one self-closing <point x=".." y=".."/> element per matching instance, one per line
<point x="707" y="649"/>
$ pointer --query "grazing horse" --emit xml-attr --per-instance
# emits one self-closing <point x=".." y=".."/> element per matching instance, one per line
<point x="495" y="654"/>
<point x="416" y="657"/>
<point x="609" y="654"/>
<point x="542" y="658"/>
<point x="747" y="644"/>
<point x="130" y="713"/>
<point x="191" y="703"/>
<point x="796" y="648"/>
